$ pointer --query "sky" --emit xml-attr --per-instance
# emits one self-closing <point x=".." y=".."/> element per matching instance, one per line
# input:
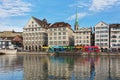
<point x="14" y="14"/>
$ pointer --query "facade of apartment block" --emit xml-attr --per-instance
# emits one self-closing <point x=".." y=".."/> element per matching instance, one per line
<point x="115" y="36"/>
<point x="35" y="34"/>
<point x="102" y="35"/>
<point x="83" y="36"/>
<point x="60" y="34"/>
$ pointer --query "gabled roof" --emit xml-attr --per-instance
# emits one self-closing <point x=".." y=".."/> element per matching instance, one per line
<point x="101" y="22"/>
<point x="41" y="22"/>
<point x="60" y="24"/>
<point x="17" y="38"/>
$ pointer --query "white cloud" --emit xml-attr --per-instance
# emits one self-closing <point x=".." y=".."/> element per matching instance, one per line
<point x="99" y="5"/>
<point x="80" y="4"/>
<point x="80" y="15"/>
<point x="10" y="28"/>
<point x="14" y="8"/>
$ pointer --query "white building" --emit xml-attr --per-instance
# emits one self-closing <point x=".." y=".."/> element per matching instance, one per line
<point x="82" y="36"/>
<point x="102" y="35"/>
<point x="115" y="36"/>
<point x="35" y="34"/>
<point x="60" y="34"/>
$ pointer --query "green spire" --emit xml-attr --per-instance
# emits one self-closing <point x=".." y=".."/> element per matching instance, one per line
<point x="76" y="21"/>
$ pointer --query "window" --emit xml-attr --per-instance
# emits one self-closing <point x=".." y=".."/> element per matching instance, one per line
<point x="64" y="42"/>
<point x="59" y="29"/>
<point x="55" y="29"/>
<point x="51" y="42"/>
<point x="87" y="37"/>
<point x="64" y="37"/>
<point x="55" y="42"/>
<point x="80" y="41"/>
<point x="113" y="41"/>
<point x="55" y="38"/>
<point x="64" y="33"/>
<point x="55" y="33"/>
<point x="50" y="34"/>
<point x="50" y="29"/>
<point x="87" y="41"/>
<point x="114" y="36"/>
<point x="59" y="33"/>
<point x="64" y="28"/>
<point x="59" y="38"/>
<point x="35" y="25"/>
<point x="60" y="42"/>
<point x="50" y="38"/>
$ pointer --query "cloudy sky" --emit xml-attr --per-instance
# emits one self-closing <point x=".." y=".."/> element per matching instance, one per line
<point x="14" y="14"/>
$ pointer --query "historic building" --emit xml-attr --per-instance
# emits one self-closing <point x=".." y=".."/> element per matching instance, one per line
<point x="115" y="36"/>
<point x="6" y="39"/>
<point x="35" y="34"/>
<point x="102" y="35"/>
<point x="60" y="34"/>
<point x="82" y="36"/>
<point x="9" y="35"/>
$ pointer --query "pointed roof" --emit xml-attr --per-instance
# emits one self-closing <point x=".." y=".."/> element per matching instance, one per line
<point x="76" y="26"/>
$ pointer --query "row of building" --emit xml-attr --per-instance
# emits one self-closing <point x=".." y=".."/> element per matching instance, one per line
<point x="38" y="33"/>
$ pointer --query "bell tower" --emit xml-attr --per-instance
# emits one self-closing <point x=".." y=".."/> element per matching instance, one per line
<point x="76" y="25"/>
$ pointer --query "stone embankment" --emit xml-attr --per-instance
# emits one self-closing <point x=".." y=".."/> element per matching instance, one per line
<point x="32" y="53"/>
<point x="69" y="54"/>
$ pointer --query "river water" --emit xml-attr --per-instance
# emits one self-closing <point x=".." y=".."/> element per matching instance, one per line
<point x="36" y="67"/>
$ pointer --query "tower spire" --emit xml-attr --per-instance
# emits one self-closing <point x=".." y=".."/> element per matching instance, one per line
<point x="76" y="26"/>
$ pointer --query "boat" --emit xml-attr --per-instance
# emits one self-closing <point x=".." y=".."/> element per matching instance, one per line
<point x="8" y="51"/>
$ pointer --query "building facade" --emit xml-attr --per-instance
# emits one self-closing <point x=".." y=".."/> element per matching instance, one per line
<point x="5" y="44"/>
<point x="9" y="34"/>
<point x="115" y="36"/>
<point x="6" y="39"/>
<point x="83" y="36"/>
<point x="102" y="35"/>
<point x="60" y="34"/>
<point x="35" y="34"/>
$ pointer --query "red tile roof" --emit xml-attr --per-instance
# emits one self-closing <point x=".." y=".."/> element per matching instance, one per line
<point x="60" y="24"/>
<point x="17" y="38"/>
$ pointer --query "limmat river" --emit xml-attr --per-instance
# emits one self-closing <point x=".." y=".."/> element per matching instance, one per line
<point x="37" y="67"/>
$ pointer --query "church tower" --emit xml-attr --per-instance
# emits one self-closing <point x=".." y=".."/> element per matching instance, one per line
<point x="76" y="26"/>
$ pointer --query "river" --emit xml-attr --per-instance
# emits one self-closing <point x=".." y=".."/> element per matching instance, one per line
<point x="42" y="67"/>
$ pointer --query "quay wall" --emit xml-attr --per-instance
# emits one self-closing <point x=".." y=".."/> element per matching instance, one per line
<point x="69" y="54"/>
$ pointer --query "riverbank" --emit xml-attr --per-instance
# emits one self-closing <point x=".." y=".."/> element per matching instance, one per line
<point x="69" y="54"/>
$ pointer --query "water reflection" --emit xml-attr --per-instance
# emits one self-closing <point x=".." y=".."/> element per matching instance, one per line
<point x="10" y="68"/>
<point x="71" y="68"/>
<point x="36" y="67"/>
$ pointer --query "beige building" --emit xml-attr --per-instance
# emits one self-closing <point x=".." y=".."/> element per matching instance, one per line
<point x="115" y="36"/>
<point x="60" y="34"/>
<point x="35" y="34"/>
<point x="83" y="36"/>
